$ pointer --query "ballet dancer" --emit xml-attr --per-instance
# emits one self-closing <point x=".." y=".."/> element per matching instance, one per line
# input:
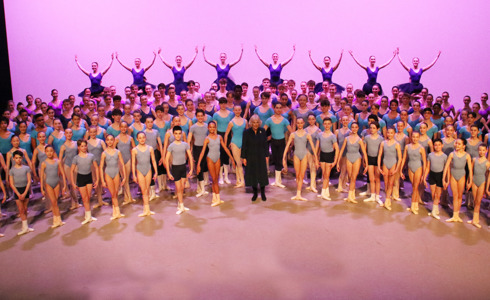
<point x="67" y="152"/>
<point x="214" y="142"/>
<point x="236" y="127"/>
<point x="138" y="72"/>
<point x="300" y="137"/>
<point x="20" y="182"/>
<point x="96" y="146"/>
<point x="352" y="144"/>
<point x="373" y="142"/>
<point x="275" y="68"/>
<point x="51" y="171"/>
<point x="372" y="72"/>
<point x="222" y="68"/>
<point x="415" y="155"/>
<point x="435" y="170"/>
<point x="327" y="72"/>
<point x="197" y="135"/>
<point x="125" y="144"/>
<point x="142" y="160"/>
<point x="176" y="169"/>
<point x="391" y="156"/>
<point x="110" y="161"/>
<point x="95" y="76"/>
<point x="178" y="71"/>
<point x="327" y="149"/>
<point x="480" y="183"/>
<point x="415" y="73"/>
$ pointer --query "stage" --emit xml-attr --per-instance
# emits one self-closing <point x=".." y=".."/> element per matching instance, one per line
<point x="278" y="249"/>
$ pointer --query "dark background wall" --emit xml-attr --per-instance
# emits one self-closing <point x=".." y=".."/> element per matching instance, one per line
<point x="5" y="84"/>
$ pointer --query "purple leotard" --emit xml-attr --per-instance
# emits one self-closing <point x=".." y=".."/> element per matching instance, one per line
<point x="139" y="79"/>
<point x="95" y="87"/>
<point x="372" y="80"/>
<point x="276" y="74"/>
<point x="179" y="83"/>
<point x="414" y="86"/>
<point x="327" y="76"/>
<point x="223" y="73"/>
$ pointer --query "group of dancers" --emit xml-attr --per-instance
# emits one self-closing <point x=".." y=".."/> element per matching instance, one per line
<point x="155" y="134"/>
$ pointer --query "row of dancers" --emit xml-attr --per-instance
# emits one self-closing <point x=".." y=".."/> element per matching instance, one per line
<point x="275" y="68"/>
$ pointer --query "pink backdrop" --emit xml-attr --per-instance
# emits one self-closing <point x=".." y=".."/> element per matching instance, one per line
<point x="44" y="36"/>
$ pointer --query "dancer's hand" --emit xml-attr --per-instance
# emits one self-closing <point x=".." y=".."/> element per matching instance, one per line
<point x="198" y="170"/>
<point x="104" y="185"/>
<point x="365" y="170"/>
<point x="135" y="179"/>
<point x="65" y="189"/>
<point x="445" y="184"/>
<point x="123" y="181"/>
<point x="4" y="198"/>
<point x="155" y="176"/>
<point x="94" y="185"/>
<point x="189" y="175"/>
<point x="402" y="176"/>
<point x="170" y="176"/>
<point x="381" y="171"/>
<point x="43" y="192"/>
<point x="244" y="161"/>
<point x="338" y="167"/>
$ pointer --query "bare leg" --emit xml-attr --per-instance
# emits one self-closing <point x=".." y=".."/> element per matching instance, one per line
<point x="300" y="169"/>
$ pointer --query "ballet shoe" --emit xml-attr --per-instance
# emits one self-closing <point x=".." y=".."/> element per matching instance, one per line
<point x="459" y="220"/>
<point x="239" y="185"/>
<point x="397" y="199"/>
<point x="280" y="185"/>
<point x="227" y="181"/>
<point x="216" y="203"/>
<point x="221" y="182"/>
<point x="363" y="194"/>
<point x="88" y="220"/>
<point x="477" y="225"/>
<point x="97" y="205"/>
<point x="370" y="199"/>
<point x="24" y="231"/>
<point x="313" y="189"/>
<point x="179" y="211"/>
<point x="59" y="224"/>
<point x="388" y="207"/>
<point x="452" y="220"/>
<point x="434" y="215"/>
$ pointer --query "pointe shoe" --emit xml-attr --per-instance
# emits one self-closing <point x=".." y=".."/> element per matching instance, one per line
<point x="352" y="197"/>
<point x="397" y="199"/>
<point x="313" y="189"/>
<point x="97" y="205"/>
<point x="378" y="200"/>
<point x="372" y="198"/>
<point x="88" y="220"/>
<point x="364" y="194"/>
<point x="435" y="215"/>
<point x="452" y="220"/>
<point x="477" y="225"/>
<point x="227" y="181"/>
<point x="24" y="231"/>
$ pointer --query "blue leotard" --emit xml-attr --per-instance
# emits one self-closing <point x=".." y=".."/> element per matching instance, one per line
<point x="134" y="133"/>
<point x="5" y="143"/>
<point x="114" y="132"/>
<point x="27" y="146"/>
<point x="414" y="86"/>
<point x="57" y="143"/>
<point x="237" y="133"/>
<point x="276" y="74"/>
<point x="277" y="129"/>
<point x="223" y="73"/>
<point x="222" y="122"/>
<point x="179" y="83"/>
<point x="372" y="78"/>
<point x="139" y="79"/>
<point x="327" y="76"/>
<point x="78" y="134"/>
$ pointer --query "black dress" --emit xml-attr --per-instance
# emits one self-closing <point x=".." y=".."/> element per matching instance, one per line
<point x="255" y="150"/>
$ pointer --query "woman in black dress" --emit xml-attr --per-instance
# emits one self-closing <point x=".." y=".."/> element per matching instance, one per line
<point x="254" y="153"/>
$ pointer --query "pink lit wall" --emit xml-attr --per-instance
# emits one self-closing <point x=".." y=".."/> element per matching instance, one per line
<point x="44" y="36"/>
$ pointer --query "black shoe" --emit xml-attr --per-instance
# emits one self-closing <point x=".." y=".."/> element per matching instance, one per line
<point x="264" y="198"/>
<point x="254" y="197"/>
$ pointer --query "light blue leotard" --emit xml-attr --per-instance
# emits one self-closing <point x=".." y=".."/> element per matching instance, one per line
<point x="277" y="129"/>
<point x="78" y="134"/>
<point x="5" y="144"/>
<point x="237" y="134"/>
<point x="222" y="122"/>
<point x="111" y="130"/>
<point x="27" y="146"/>
<point x="264" y="116"/>
<point x="57" y="143"/>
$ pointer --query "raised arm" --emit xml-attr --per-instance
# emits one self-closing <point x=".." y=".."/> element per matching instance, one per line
<point x="357" y="62"/>
<point x="123" y="65"/>
<point x="110" y="65"/>
<point x="80" y="66"/>
<point x="260" y="58"/>
<point x="433" y="62"/>
<point x="153" y="61"/>
<point x="388" y="62"/>
<point x="340" y="59"/>
<point x="311" y="59"/>
<point x="163" y="61"/>
<point x="239" y="58"/>
<point x="401" y="61"/>
<point x="205" y="59"/>
<point x="290" y="58"/>
<point x="192" y="61"/>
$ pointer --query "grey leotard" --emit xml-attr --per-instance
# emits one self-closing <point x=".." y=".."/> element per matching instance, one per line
<point x="70" y="153"/>
<point x="84" y="163"/>
<point x="353" y="150"/>
<point x="96" y="150"/>
<point x="314" y="138"/>
<point x="19" y="175"/>
<point x="425" y="144"/>
<point x="341" y="139"/>
<point x="51" y="171"/>
<point x="437" y="162"/>
<point x="326" y="143"/>
<point x="125" y="149"/>
<point x="199" y="133"/>
<point x="214" y="146"/>
<point x="447" y="148"/>
<point x="479" y="172"/>
<point x="41" y="156"/>
<point x="151" y="138"/>
<point x="143" y="159"/>
<point x="414" y="158"/>
<point x="300" y="150"/>
<point x="178" y="152"/>
<point x="401" y="142"/>
<point x="472" y="150"/>
<point x="112" y="164"/>
<point x="372" y="145"/>
<point x="458" y="165"/>
<point x="390" y="155"/>
<point x="303" y="116"/>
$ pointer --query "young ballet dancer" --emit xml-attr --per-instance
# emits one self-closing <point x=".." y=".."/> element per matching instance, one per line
<point x="455" y="174"/>
<point x="67" y="152"/>
<point x="176" y="169"/>
<point x="110" y="162"/>
<point x="197" y="135"/>
<point x="416" y="157"/>
<point x="300" y="138"/>
<point x="83" y="166"/>
<point x="352" y="144"/>
<point x="278" y="125"/>
<point x="391" y="156"/>
<point x="125" y="144"/>
<point x="314" y="131"/>
<point x="51" y="171"/>
<point x="214" y="143"/>
<point x="236" y="127"/>
<point x="20" y="182"/>
<point x="480" y="183"/>
<point x="327" y="149"/>
<point x="142" y="160"/>
<point x="373" y="142"/>
<point x="435" y="170"/>
<point x="96" y="146"/>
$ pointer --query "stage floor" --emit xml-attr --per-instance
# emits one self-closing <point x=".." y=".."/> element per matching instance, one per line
<point x="278" y="249"/>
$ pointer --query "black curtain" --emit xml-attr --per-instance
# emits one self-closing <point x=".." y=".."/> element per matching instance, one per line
<point x="5" y="80"/>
